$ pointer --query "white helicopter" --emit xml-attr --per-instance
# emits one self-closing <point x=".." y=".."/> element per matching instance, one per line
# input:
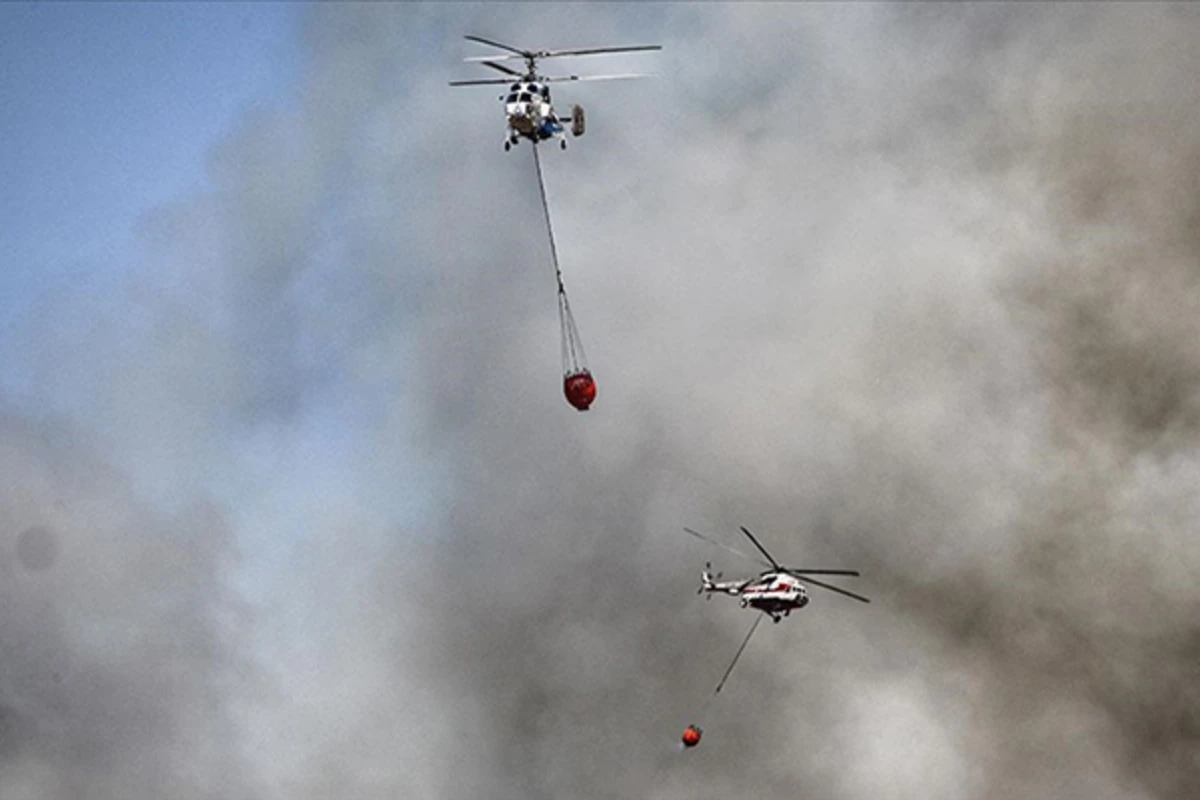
<point x="527" y="105"/>
<point x="776" y="592"/>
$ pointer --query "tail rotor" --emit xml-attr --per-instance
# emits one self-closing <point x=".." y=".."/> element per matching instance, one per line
<point x="708" y="580"/>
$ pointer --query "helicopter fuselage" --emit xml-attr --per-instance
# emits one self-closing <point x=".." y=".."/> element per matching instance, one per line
<point x="529" y="112"/>
<point x="776" y="594"/>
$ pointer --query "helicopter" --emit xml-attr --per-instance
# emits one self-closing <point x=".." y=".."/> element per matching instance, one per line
<point x="778" y="591"/>
<point x="527" y="105"/>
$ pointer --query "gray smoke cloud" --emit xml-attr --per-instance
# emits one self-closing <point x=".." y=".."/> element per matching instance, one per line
<point x="904" y="289"/>
<point x="923" y="307"/>
<point x="120" y="668"/>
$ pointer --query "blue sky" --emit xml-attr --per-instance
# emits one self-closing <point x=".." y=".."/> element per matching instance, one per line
<point x="109" y="110"/>
<point x="112" y="112"/>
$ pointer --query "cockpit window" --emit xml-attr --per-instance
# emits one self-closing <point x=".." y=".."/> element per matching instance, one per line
<point x="512" y="98"/>
<point x="524" y="98"/>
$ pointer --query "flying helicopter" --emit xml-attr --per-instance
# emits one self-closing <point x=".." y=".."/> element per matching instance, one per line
<point x="778" y="591"/>
<point x="527" y="105"/>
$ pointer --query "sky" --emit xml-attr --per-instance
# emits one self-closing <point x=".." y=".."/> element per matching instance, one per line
<point x="294" y="508"/>
<point x="111" y="108"/>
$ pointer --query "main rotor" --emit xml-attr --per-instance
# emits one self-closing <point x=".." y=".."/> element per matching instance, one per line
<point x="531" y="58"/>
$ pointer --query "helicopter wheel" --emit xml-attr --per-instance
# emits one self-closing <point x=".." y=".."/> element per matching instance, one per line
<point x="776" y="620"/>
<point x="507" y="146"/>
<point x="562" y="144"/>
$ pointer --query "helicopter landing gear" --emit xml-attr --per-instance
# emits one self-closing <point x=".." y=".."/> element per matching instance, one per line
<point x="507" y="145"/>
<point x="562" y="144"/>
<point x="776" y="618"/>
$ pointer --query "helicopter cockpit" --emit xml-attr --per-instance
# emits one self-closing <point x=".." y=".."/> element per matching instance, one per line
<point x="528" y="93"/>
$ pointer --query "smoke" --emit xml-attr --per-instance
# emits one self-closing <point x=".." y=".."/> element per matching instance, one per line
<point x="923" y="307"/>
<point x="120" y="671"/>
<point x="903" y="289"/>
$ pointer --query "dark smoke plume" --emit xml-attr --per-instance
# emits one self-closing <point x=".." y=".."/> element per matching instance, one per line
<point x="976" y="380"/>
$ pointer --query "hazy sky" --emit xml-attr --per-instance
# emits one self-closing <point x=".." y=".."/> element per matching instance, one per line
<point x="294" y="508"/>
<point x="110" y="111"/>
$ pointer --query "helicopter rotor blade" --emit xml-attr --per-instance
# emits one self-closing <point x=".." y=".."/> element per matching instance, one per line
<point x="833" y="588"/>
<point x="482" y="82"/>
<point x="479" y="59"/>
<point x="508" y="47"/>
<point x="853" y="573"/>
<point x="562" y="78"/>
<point x="596" y="51"/>
<point x="757" y="619"/>
<point x="726" y="547"/>
<point x="502" y="68"/>
<point x="761" y="549"/>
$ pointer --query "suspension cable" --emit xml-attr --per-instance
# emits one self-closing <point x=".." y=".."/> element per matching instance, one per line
<point x="537" y="164"/>
<point x="738" y="654"/>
